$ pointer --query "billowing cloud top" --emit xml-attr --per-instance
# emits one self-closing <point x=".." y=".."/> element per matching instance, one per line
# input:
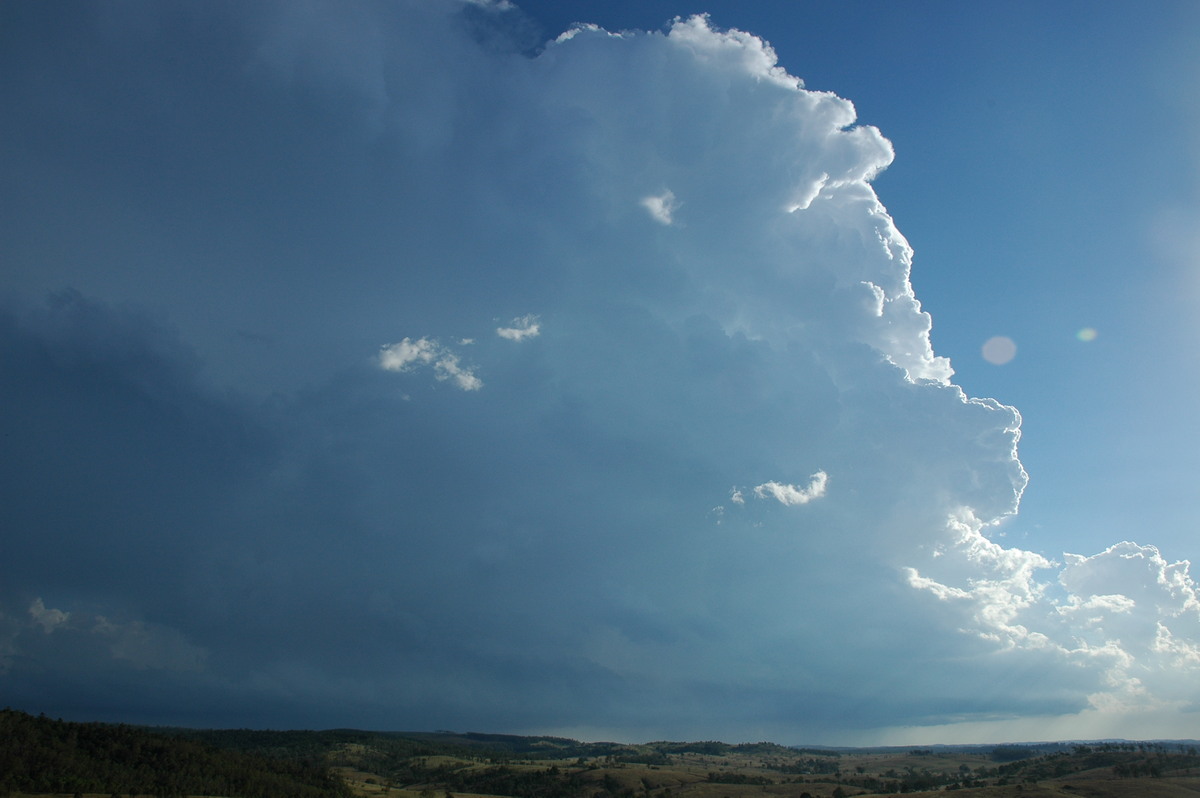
<point x="231" y="505"/>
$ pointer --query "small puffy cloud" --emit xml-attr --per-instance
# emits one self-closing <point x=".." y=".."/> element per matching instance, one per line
<point x="409" y="354"/>
<point x="661" y="207"/>
<point x="793" y="494"/>
<point x="51" y="634"/>
<point x="447" y="368"/>
<point x="48" y="619"/>
<point x="527" y="326"/>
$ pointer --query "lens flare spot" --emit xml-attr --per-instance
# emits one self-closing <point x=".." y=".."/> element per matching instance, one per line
<point x="1086" y="334"/>
<point x="999" y="349"/>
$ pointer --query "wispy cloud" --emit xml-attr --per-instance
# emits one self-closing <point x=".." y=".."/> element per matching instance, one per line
<point x="661" y="207"/>
<point x="523" y="327"/>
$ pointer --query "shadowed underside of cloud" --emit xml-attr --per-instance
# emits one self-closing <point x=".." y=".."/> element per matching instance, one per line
<point x="284" y="462"/>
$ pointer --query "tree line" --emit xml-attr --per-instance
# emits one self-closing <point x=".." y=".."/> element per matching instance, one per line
<point x="41" y="755"/>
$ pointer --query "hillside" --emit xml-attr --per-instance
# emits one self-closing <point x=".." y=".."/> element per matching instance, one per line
<point x="39" y="756"/>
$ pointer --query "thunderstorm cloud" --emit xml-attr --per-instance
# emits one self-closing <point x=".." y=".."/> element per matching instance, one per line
<point x="285" y="446"/>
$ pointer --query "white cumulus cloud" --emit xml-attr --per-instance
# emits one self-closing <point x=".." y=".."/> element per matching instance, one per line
<point x="1126" y="616"/>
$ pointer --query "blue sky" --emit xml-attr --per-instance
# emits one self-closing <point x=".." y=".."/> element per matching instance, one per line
<point x="412" y="365"/>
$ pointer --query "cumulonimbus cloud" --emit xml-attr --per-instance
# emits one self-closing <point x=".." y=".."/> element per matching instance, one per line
<point x="555" y="530"/>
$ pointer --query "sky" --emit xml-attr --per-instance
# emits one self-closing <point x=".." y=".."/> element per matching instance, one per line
<point x="814" y="372"/>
